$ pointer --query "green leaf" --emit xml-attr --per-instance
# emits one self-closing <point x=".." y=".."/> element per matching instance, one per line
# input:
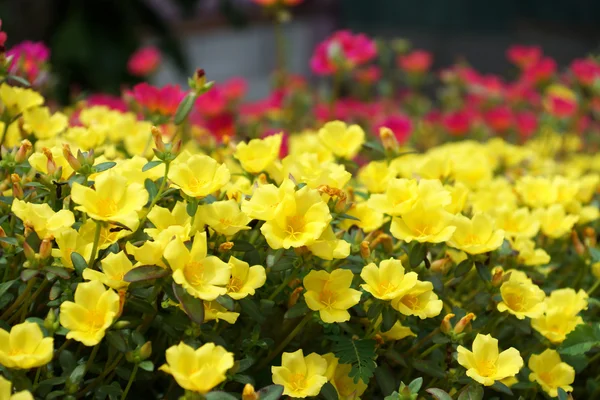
<point x="145" y="273"/>
<point x="463" y="267"/>
<point x="242" y="245"/>
<point x="393" y="396"/>
<point x="474" y="392"/>
<point x="184" y="108"/>
<point x="110" y="390"/>
<point x="226" y="302"/>
<point x="389" y="318"/>
<point x="55" y="395"/>
<point x="595" y="254"/>
<point x="415" y="385"/>
<point x="215" y="395"/>
<point x="67" y="360"/>
<point x="418" y="252"/>
<point x="150" y="188"/>
<point x="58" y="271"/>
<point x="484" y="271"/>
<point x="192" y="306"/>
<point x="328" y="392"/>
<point x="77" y="374"/>
<point x="245" y="363"/>
<point x="19" y="79"/>
<point x="284" y="264"/>
<point x="375" y="310"/>
<point x="360" y="354"/>
<point x="271" y="392"/>
<point x="562" y="395"/>
<point x="146" y="365"/>
<point x="502" y="388"/>
<point x="582" y="339"/>
<point x="191" y="208"/>
<point x="346" y="216"/>
<point x="429" y="367"/>
<point x="297" y="310"/>
<point x="5" y="286"/>
<point x="117" y="340"/>
<point x="104" y="166"/>
<point x="375" y="146"/>
<point x="151" y="164"/>
<point x="250" y="308"/>
<point x="27" y="274"/>
<point x="385" y="379"/>
<point x="439" y="394"/>
<point x="79" y="262"/>
<point x="10" y="240"/>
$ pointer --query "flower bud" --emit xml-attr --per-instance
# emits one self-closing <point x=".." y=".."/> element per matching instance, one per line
<point x="23" y="151"/>
<point x="388" y="139"/>
<point x="145" y="351"/>
<point x="590" y="236"/>
<point x="158" y="141"/>
<point x="497" y="276"/>
<point x="73" y="162"/>
<point x="385" y="240"/>
<point x="50" y="322"/>
<point x="176" y="148"/>
<point x="365" y="251"/>
<point x="579" y="247"/>
<point x="29" y="252"/>
<point x="46" y="248"/>
<point x="249" y="393"/>
<point x="464" y="323"/>
<point x="442" y="265"/>
<point x="3" y="234"/>
<point x="446" y="325"/>
<point x="121" y="325"/>
<point x="226" y="246"/>
<point x="293" y="299"/>
<point x="17" y="189"/>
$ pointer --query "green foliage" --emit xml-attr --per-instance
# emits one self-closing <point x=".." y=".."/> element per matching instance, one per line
<point x="359" y="353"/>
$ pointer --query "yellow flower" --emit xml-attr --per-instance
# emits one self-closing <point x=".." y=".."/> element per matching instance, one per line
<point x="398" y="332"/>
<point x="163" y="220"/>
<point x="17" y="100"/>
<point x="300" y="223"/>
<point x="306" y="168"/>
<point x="198" y="370"/>
<point x="93" y="312"/>
<point x="487" y="197"/>
<point x="39" y="161"/>
<point x="244" y="279"/>
<point x="269" y="200"/>
<point x="375" y="176"/>
<point x="566" y="189"/>
<point x="300" y="376"/>
<point x="114" y="268"/>
<point x="86" y="138"/>
<point x="109" y="233"/>
<point x="551" y="372"/>
<point x="43" y="125"/>
<point x="223" y="217"/>
<point x="536" y="191"/>
<point x="420" y="300"/>
<point x="555" y="222"/>
<point x="131" y="169"/>
<point x="459" y="194"/>
<point x="69" y="241"/>
<point x="328" y="246"/>
<point x="6" y="391"/>
<point x="215" y="311"/>
<point x="112" y="199"/>
<point x="369" y="218"/>
<point x="309" y="143"/>
<point x="25" y="347"/>
<point x="203" y="277"/>
<point x="342" y="140"/>
<point x="338" y="375"/>
<point x="528" y="254"/>
<point x="555" y="325"/>
<point x="330" y="294"/>
<point x="388" y="281"/>
<point x="476" y="235"/>
<point x="256" y="155"/>
<point x="199" y="175"/>
<point x="521" y="298"/>
<point x="44" y="221"/>
<point x="588" y="185"/>
<point x="568" y="301"/>
<point x="423" y="224"/>
<point x="485" y="364"/>
<point x="402" y="194"/>
<point x="517" y="223"/>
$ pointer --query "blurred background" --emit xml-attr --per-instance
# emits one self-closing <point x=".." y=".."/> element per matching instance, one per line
<point x="91" y="40"/>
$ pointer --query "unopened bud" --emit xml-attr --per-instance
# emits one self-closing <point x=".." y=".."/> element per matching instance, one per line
<point x="17" y="189"/>
<point x="200" y="77"/>
<point x="579" y="247"/>
<point x="365" y="251"/>
<point x="176" y="147"/>
<point x="442" y="265"/>
<point x="50" y="322"/>
<point x="249" y="393"/>
<point x="158" y="140"/>
<point x="71" y="159"/>
<point x="23" y="151"/>
<point x="3" y="234"/>
<point x="385" y="240"/>
<point x="46" y="248"/>
<point x="379" y="339"/>
<point x="145" y="350"/>
<point x="590" y="236"/>
<point x="295" y="296"/>
<point x="226" y="246"/>
<point x="388" y="139"/>
<point x="464" y="323"/>
<point x="341" y="206"/>
<point x="446" y="325"/>
<point x="29" y="252"/>
<point x="121" y="325"/>
<point x="497" y="276"/>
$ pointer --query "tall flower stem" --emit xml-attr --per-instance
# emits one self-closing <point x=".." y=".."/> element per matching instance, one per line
<point x="287" y="340"/>
<point x="156" y="198"/>
<point x="95" y="245"/>
<point x="130" y="382"/>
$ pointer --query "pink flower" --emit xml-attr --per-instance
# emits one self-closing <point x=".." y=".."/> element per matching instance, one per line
<point x="159" y="101"/>
<point x="267" y="3"/>
<point x="400" y="124"/>
<point x="526" y="123"/>
<point x="540" y="71"/>
<point x="107" y="100"/>
<point x="29" y="59"/>
<point x="499" y="118"/>
<point x="235" y="88"/>
<point x="416" y="62"/>
<point x="458" y="123"/>
<point x="586" y="71"/>
<point x="3" y="37"/>
<point x="343" y="50"/>
<point x="522" y="92"/>
<point x="368" y="75"/>
<point x="523" y="56"/>
<point x="221" y="125"/>
<point x="144" y="61"/>
<point x="212" y="103"/>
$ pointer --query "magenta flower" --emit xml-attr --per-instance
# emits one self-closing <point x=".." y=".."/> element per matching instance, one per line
<point x="415" y="62"/>
<point x="524" y="56"/>
<point x="29" y="59"/>
<point x="144" y="61"/>
<point x="400" y="124"/>
<point x="157" y="101"/>
<point x="342" y="51"/>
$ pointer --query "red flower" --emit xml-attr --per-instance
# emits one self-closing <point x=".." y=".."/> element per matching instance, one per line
<point x="162" y="101"/>
<point x="586" y="71"/>
<point x="540" y="71"/>
<point x="212" y="103"/>
<point x="400" y="124"/>
<point x="235" y="88"/>
<point x="499" y="119"/>
<point x="458" y="123"/>
<point x="107" y="100"/>
<point x="523" y="56"/>
<point x="368" y="75"/>
<point x="416" y="62"/>
<point x="526" y="123"/>
<point x="29" y="59"/>
<point x="144" y="61"/>
<point x="560" y="101"/>
<point x="343" y="50"/>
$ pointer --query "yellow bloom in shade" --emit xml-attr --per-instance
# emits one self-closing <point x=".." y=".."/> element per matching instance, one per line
<point x="215" y="311"/>
<point x="17" y="100"/>
<point x="521" y="298"/>
<point x="398" y="332"/>
<point x="151" y="252"/>
<point x="244" y="279"/>
<point x="343" y="141"/>
<point x="203" y="277"/>
<point x="42" y="218"/>
<point x="420" y="300"/>
<point x="387" y="281"/>
<point x="330" y="294"/>
<point x="551" y="372"/>
<point x="476" y="235"/>
<point x="328" y="246"/>
<point x="485" y="364"/>
<point x="269" y="200"/>
<point x="163" y="219"/>
<point x="43" y="125"/>
<point x="199" y="175"/>
<point x="555" y="325"/>
<point x="375" y="176"/>
<point x="25" y="347"/>
<point x="93" y="312"/>
<point x="112" y="199"/>
<point x="536" y="191"/>
<point x="39" y="161"/>
<point x="300" y="223"/>
<point x="338" y="375"/>
<point x="517" y="223"/>
<point x="223" y="217"/>
<point x="198" y="370"/>
<point x="368" y="218"/>
<point x="7" y="394"/>
<point x="109" y="233"/>
<point x="300" y="376"/>
<point x="256" y="155"/>
<point x="528" y="254"/>
<point x="555" y="222"/>
<point x="423" y="224"/>
<point x="69" y="241"/>
<point x="114" y="268"/>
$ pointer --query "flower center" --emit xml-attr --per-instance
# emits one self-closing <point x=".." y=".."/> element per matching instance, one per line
<point x="386" y="287"/>
<point x="514" y="300"/>
<point x="107" y="207"/>
<point x="424" y="230"/>
<point x="411" y="302"/>
<point x="327" y="297"/>
<point x="295" y="225"/>
<point x="196" y="183"/>
<point x="298" y="382"/>
<point x="486" y="368"/>
<point x="234" y="285"/>
<point x="194" y="273"/>
<point x="95" y="320"/>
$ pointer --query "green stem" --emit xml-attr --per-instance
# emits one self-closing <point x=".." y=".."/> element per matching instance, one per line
<point x="423" y="341"/>
<point x="131" y="379"/>
<point x="19" y="301"/>
<point x="594" y="359"/>
<point x="430" y="349"/>
<point x="104" y="373"/>
<point x="6" y="124"/>
<point x="62" y="347"/>
<point x="95" y="246"/>
<point x="335" y="93"/>
<point x="593" y="288"/>
<point x="284" y="284"/>
<point x="37" y="376"/>
<point x="90" y="360"/>
<point x="287" y="340"/>
<point x="156" y="198"/>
